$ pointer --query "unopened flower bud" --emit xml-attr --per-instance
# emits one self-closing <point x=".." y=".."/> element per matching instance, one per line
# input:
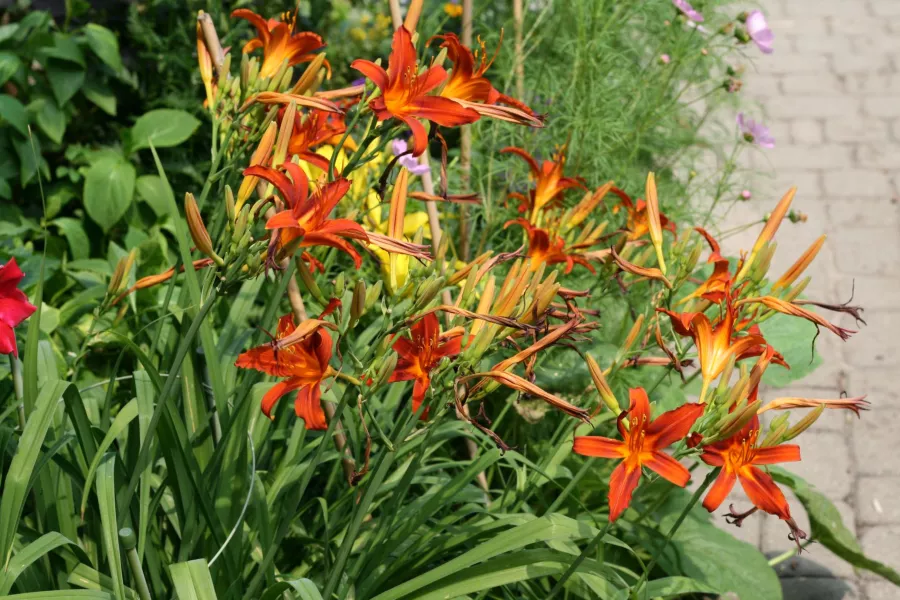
<point x="427" y="292"/>
<point x="229" y="204"/>
<point x="388" y="365"/>
<point x="606" y="394"/>
<point x="803" y="424"/>
<point x="741" y="35"/>
<point x="339" y="285"/>
<point x="746" y="195"/>
<point x="285" y="131"/>
<point x="763" y="261"/>
<point x="198" y="230"/>
<point x="373" y="294"/>
<point x="309" y="282"/>
<point x="120" y="275"/>
<point x="358" y="304"/>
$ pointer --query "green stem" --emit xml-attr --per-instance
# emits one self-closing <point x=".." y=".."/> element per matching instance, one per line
<point x="15" y="367"/>
<point x="684" y="513"/>
<point x="589" y="549"/>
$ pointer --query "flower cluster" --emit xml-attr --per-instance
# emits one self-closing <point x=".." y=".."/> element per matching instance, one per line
<point x="324" y="165"/>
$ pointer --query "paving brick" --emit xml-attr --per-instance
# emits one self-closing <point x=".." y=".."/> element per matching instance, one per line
<point x="811" y="43"/>
<point x="879" y="155"/>
<point x="855" y="183"/>
<point x="876" y="500"/>
<point x="863" y="212"/>
<point x="822" y="156"/>
<point x="846" y="22"/>
<point x="884" y="8"/>
<point x="880" y="590"/>
<point x="880" y="385"/>
<point x="861" y="253"/>
<point x="876" y="344"/>
<point x="852" y="128"/>
<point x="847" y="64"/>
<point x="872" y="292"/>
<point x="819" y="83"/>
<point x="871" y="440"/>
<point x="867" y="83"/>
<point x="807" y="131"/>
<point x="813" y="106"/>
<point x="832" y="476"/>
<point x="881" y="106"/>
<point x="882" y="544"/>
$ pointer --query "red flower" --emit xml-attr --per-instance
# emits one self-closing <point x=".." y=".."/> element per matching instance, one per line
<point x="279" y="42"/>
<point x="469" y="87"/>
<point x="306" y="216"/>
<point x="549" y="179"/>
<point x="305" y="364"/>
<point x="404" y="92"/>
<point x="641" y="446"/>
<point x="638" y="223"/>
<point x="319" y="127"/>
<point x="739" y="457"/>
<point x="421" y="352"/>
<point x="545" y="247"/>
<point x="14" y="306"/>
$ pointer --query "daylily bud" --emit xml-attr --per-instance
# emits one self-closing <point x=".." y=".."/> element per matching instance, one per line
<point x="358" y="305"/>
<point x="690" y="263"/>
<point x="725" y="377"/>
<point x="777" y="429"/>
<point x="308" y="78"/>
<point x="768" y="232"/>
<point x="253" y="73"/>
<point x="240" y="226"/>
<point x="630" y="340"/>
<point x="800" y="266"/>
<point x="373" y="294"/>
<point x="428" y="291"/>
<point x="198" y="230"/>
<point x="309" y="282"/>
<point x="803" y="424"/>
<point x="339" y="285"/>
<point x="245" y="69"/>
<point x="260" y="156"/>
<point x="120" y="275"/>
<point x="229" y="204"/>
<point x="388" y="365"/>
<point x="602" y="386"/>
<point x="284" y="135"/>
<point x="736" y="420"/>
<point x="654" y="221"/>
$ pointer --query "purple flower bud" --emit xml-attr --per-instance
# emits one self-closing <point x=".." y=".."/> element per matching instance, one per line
<point x="360" y="81"/>
<point x="746" y="195"/>
<point x="665" y="59"/>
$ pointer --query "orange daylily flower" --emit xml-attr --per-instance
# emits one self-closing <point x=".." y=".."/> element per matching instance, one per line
<point x="279" y="42"/>
<point x="642" y="445"/>
<point x="545" y="247"/>
<point x="550" y="183"/>
<point x="404" y="92"/>
<point x="468" y="86"/>
<point x="639" y="218"/>
<point x="718" y="285"/>
<point x="318" y="127"/>
<point x="717" y="343"/>
<point x="151" y="280"/>
<point x="305" y="364"/>
<point x="421" y="352"/>
<point x="306" y="215"/>
<point x="739" y="457"/>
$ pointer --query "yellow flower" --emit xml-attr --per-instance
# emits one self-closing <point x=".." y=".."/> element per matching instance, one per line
<point x="454" y="11"/>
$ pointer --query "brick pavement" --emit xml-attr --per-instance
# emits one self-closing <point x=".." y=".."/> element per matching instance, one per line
<point x="831" y="95"/>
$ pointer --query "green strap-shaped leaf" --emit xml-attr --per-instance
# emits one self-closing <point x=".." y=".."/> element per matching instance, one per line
<point x="88" y="578"/>
<point x="16" y="486"/>
<point x="120" y="424"/>
<point x="106" y="493"/>
<point x="27" y="555"/>
<point x="192" y="580"/>
<point x="62" y="595"/>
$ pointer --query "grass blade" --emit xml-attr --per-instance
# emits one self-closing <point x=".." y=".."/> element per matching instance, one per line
<point x="192" y="580"/>
<point x="120" y="424"/>
<point x="106" y="492"/>
<point x="27" y="555"/>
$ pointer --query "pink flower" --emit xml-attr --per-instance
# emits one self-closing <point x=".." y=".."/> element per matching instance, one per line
<point x="664" y="58"/>
<point x="755" y="133"/>
<point x="688" y="10"/>
<point x="746" y="195"/>
<point x="14" y="306"/>
<point x="412" y="165"/>
<point x="759" y="31"/>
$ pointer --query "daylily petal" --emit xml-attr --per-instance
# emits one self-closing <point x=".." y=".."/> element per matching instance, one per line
<point x="673" y="425"/>
<point x="762" y="491"/>
<point x="777" y="454"/>
<point x="719" y="491"/>
<point x="669" y="468"/>
<point x="622" y="484"/>
<point x="601" y="447"/>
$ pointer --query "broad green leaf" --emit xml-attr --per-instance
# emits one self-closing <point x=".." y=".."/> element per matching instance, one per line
<point x="49" y="318"/>
<point x="670" y="587"/>
<point x="828" y="528"/>
<point x="64" y="48"/>
<point x="65" y="80"/>
<point x="9" y="64"/>
<point x="106" y="494"/>
<point x="7" y="31"/>
<point x="100" y="95"/>
<point x="30" y="160"/>
<point x="13" y="113"/>
<point x="162" y="128"/>
<point x="73" y="231"/>
<point x="192" y="580"/>
<point x="104" y="44"/>
<point x="721" y="554"/>
<point x="15" y="487"/>
<point x="155" y="191"/>
<point x="27" y="555"/>
<point x="119" y="425"/>
<point x="62" y="595"/>
<point x="108" y="191"/>
<point x="793" y="337"/>
<point x="49" y="118"/>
